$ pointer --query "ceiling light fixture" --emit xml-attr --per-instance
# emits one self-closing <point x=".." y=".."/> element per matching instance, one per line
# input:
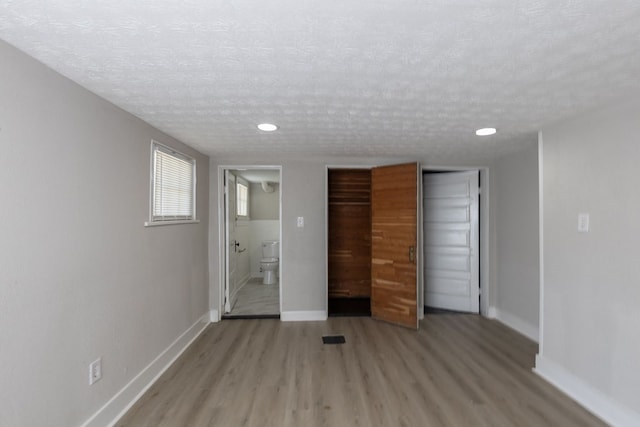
<point x="486" y="131"/>
<point x="267" y="127"/>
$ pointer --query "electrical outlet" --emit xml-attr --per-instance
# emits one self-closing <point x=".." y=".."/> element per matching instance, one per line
<point x="300" y="222"/>
<point x="95" y="371"/>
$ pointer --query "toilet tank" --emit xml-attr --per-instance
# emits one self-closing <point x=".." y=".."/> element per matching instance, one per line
<point x="270" y="249"/>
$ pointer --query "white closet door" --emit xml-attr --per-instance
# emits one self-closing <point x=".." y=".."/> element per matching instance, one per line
<point x="451" y="241"/>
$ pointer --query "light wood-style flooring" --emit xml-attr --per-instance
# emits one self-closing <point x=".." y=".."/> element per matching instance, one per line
<point x="457" y="370"/>
<point x="256" y="298"/>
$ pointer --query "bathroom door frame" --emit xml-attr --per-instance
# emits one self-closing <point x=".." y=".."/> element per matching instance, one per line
<point x="222" y="229"/>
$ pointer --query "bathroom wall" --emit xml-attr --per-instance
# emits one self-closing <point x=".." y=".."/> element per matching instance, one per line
<point x="265" y="222"/>
<point x="261" y="230"/>
<point x="262" y="205"/>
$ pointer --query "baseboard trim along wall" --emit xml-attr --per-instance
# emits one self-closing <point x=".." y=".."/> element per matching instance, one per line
<point x="492" y="313"/>
<point x="214" y="316"/>
<point x="303" y="316"/>
<point x="593" y="400"/>
<point x="119" y="404"/>
<point x="516" y="323"/>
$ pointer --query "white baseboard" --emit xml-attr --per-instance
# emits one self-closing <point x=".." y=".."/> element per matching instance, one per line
<point x="516" y="323"/>
<point x="119" y="404"/>
<point x="601" y="405"/>
<point x="214" y="316"/>
<point x="303" y="316"/>
<point x="493" y="313"/>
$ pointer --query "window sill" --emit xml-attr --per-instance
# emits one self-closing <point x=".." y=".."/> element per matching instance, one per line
<point x="159" y="223"/>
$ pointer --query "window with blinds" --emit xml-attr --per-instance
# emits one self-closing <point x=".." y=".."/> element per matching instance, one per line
<point x="173" y="185"/>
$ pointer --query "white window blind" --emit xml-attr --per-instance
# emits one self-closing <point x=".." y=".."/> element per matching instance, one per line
<point x="242" y="199"/>
<point x="173" y="190"/>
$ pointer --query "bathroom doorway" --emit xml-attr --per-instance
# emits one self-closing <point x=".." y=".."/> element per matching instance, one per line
<point x="250" y="217"/>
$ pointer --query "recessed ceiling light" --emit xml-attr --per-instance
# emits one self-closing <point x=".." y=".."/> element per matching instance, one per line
<point x="486" y="131"/>
<point x="267" y="127"/>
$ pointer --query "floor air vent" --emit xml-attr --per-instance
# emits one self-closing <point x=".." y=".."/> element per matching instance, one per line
<point x="333" y="339"/>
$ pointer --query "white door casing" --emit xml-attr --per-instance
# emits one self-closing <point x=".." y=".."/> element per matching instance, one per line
<point x="451" y="241"/>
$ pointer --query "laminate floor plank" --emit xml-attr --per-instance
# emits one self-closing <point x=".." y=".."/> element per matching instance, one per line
<point x="457" y="370"/>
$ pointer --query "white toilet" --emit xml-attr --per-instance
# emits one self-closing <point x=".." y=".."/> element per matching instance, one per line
<point x="269" y="262"/>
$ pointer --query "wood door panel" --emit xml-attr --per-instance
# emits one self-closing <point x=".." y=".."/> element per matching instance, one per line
<point x="394" y="231"/>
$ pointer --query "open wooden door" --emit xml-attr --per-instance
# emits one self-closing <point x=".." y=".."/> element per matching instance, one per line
<point x="394" y="250"/>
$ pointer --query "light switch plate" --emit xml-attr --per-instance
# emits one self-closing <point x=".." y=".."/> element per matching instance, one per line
<point x="95" y="371"/>
<point x="300" y="221"/>
<point x="583" y="222"/>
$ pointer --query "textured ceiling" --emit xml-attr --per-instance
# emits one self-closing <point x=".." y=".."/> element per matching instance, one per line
<point x="348" y="77"/>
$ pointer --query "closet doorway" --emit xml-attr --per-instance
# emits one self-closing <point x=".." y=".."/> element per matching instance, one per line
<point x="373" y="243"/>
<point x="349" y="245"/>
<point x="451" y="215"/>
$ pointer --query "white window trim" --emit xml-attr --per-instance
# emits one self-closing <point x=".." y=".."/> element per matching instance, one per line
<point x="161" y="223"/>
<point x="155" y="223"/>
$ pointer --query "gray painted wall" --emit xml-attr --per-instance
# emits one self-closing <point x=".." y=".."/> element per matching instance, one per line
<point x="303" y="262"/>
<point x="591" y="304"/>
<point x="515" y="206"/>
<point x="80" y="276"/>
<point x="303" y="192"/>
